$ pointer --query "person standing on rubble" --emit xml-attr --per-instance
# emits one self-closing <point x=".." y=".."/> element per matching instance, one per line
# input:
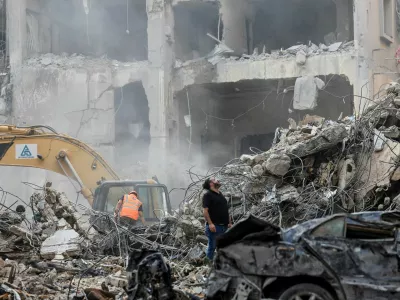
<point x="129" y="209"/>
<point x="216" y="213"/>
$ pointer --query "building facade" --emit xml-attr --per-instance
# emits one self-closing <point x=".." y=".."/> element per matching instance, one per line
<point x="157" y="86"/>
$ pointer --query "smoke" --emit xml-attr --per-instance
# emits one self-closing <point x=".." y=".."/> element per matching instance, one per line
<point x="132" y="129"/>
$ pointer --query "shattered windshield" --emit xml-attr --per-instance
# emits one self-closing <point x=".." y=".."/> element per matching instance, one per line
<point x="294" y="233"/>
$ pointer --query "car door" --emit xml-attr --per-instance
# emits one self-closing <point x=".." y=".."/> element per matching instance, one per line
<point x="328" y="243"/>
<point x="374" y="252"/>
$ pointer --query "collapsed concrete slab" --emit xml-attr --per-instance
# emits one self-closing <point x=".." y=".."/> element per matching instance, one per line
<point x="277" y="164"/>
<point x="62" y="242"/>
<point x="327" y="138"/>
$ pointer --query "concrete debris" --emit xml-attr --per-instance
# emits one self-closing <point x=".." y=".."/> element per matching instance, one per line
<point x="50" y="60"/>
<point x="258" y="170"/>
<point x="295" y="49"/>
<point x="300" y="52"/>
<point x="285" y="193"/>
<point x="292" y="124"/>
<point x="277" y="164"/>
<point x="327" y="136"/>
<point x="346" y="172"/>
<point x="317" y="167"/>
<point x="306" y="92"/>
<point x="301" y="58"/>
<point x="32" y="279"/>
<point x="391" y="132"/>
<point x="323" y="47"/>
<point x="310" y="50"/>
<point x="334" y="47"/>
<point x="378" y="170"/>
<point x="62" y="242"/>
<point x="218" y="54"/>
<point x="396" y="175"/>
<point x="311" y="120"/>
<point x="67" y="254"/>
<point x="379" y="140"/>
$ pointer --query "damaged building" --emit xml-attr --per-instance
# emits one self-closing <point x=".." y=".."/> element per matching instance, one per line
<point x="188" y="82"/>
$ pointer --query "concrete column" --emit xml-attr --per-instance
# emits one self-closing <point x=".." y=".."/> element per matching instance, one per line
<point x="342" y="20"/>
<point x="234" y="14"/>
<point x="159" y="92"/>
<point x="16" y="33"/>
<point x="362" y="86"/>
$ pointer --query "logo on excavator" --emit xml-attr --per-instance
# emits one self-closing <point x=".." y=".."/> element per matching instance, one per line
<point x="26" y="151"/>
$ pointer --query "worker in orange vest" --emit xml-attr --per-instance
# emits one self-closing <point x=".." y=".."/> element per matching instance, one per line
<point x="129" y="209"/>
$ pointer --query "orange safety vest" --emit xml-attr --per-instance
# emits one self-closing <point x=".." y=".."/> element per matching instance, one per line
<point x="130" y="207"/>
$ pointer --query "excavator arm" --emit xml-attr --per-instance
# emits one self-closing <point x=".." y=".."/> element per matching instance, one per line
<point x="42" y="147"/>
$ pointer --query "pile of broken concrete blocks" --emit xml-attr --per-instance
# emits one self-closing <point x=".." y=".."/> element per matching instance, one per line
<point x="190" y="278"/>
<point x="59" y="254"/>
<point x="44" y="259"/>
<point x="301" y="52"/>
<point x="32" y="278"/>
<point x="318" y="167"/>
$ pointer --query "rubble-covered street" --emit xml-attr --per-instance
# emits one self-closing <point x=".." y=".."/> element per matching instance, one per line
<point x="315" y="168"/>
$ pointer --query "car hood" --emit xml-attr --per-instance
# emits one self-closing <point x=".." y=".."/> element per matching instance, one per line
<point x="250" y="228"/>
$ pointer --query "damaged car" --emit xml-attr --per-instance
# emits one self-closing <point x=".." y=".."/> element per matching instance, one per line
<point x="354" y="256"/>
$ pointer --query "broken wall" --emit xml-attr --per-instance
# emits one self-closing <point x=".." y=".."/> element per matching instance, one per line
<point x="280" y="26"/>
<point x="383" y="60"/>
<point x="234" y="14"/>
<point x="258" y="23"/>
<point x="132" y="129"/>
<point x="193" y="21"/>
<point x="77" y="100"/>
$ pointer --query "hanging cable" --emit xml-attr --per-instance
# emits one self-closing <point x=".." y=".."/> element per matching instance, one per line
<point x="86" y="8"/>
<point x="127" y="17"/>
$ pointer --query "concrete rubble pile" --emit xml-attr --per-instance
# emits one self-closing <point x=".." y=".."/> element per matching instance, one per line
<point x="66" y="254"/>
<point x="46" y="259"/>
<point x="314" y="168"/>
<point x="301" y="52"/>
<point x="31" y="278"/>
<point x="317" y="167"/>
<point x="65" y="60"/>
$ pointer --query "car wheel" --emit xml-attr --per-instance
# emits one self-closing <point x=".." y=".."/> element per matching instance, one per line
<point x="306" y="291"/>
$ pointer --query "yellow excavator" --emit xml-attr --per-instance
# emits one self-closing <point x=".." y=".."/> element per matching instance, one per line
<point x="42" y="147"/>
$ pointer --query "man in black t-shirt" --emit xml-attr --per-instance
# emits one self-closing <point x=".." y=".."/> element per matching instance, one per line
<point x="216" y="213"/>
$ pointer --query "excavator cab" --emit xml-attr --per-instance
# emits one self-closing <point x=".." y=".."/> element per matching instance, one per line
<point x="43" y="148"/>
<point x="154" y="196"/>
